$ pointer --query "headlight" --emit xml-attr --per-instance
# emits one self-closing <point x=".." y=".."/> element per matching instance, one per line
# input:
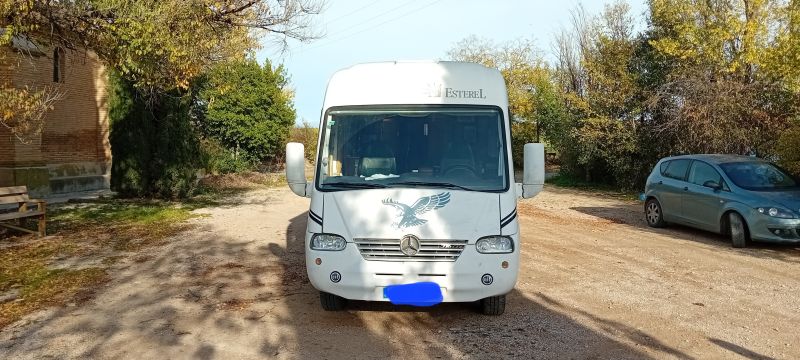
<point x="327" y="242"/>
<point x="495" y="245"/>
<point x="776" y="212"/>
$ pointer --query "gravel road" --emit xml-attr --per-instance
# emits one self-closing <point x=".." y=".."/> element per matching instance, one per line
<point x="594" y="282"/>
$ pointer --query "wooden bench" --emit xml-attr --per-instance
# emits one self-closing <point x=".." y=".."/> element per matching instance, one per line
<point x="19" y="195"/>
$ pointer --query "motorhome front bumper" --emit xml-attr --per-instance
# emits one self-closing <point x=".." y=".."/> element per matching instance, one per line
<point x="471" y="276"/>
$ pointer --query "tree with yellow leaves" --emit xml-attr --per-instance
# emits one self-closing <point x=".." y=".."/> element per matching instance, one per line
<point x="732" y="84"/>
<point x="532" y="96"/>
<point x="157" y="44"/>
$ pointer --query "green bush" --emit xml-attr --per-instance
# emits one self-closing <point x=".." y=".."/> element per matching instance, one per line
<point x="306" y="135"/>
<point x="521" y="134"/>
<point x="604" y="150"/>
<point x="155" y="147"/>
<point x="246" y="109"/>
<point x="219" y="160"/>
<point x="788" y="149"/>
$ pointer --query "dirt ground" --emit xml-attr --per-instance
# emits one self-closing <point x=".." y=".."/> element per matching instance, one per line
<point x="594" y="282"/>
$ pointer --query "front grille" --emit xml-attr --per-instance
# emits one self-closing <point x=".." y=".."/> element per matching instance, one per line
<point x="430" y="250"/>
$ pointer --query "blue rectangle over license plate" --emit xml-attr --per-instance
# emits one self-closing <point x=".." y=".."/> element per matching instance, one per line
<point x="416" y="294"/>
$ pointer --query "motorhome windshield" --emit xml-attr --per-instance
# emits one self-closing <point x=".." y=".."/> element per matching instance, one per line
<point x="437" y="147"/>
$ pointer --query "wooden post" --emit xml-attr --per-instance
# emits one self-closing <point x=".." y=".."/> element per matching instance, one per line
<point x="42" y="206"/>
<point x="23" y="207"/>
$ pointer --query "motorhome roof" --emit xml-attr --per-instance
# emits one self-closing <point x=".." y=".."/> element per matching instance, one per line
<point x="416" y="82"/>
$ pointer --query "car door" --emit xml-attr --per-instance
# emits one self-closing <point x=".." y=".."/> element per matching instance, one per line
<point x="702" y="204"/>
<point x="672" y="187"/>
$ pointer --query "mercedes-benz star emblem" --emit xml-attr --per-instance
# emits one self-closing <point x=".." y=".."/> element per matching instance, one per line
<point x="409" y="245"/>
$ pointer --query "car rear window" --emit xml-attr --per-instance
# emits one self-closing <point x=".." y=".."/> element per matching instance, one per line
<point x="677" y="169"/>
<point x="664" y="166"/>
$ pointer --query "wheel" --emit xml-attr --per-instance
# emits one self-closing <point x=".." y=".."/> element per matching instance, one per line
<point x="332" y="302"/>
<point x="494" y="305"/>
<point x="738" y="230"/>
<point x="654" y="214"/>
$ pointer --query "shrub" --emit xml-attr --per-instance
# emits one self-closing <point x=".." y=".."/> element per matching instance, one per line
<point x="246" y="109"/>
<point x="155" y="147"/>
<point x="219" y="160"/>
<point x="521" y="134"/>
<point x="788" y="149"/>
<point x="308" y="136"/>
<point x="603" y="150"/>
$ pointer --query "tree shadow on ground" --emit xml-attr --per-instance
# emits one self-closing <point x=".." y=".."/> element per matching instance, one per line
<point x="530" y="328"/>
<point x="632" y="216"/>
<point x="749" y="354"/>
<point x="210" y="295"/>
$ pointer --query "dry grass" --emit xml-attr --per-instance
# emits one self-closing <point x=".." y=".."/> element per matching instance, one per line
<point x="595" y="188"/>
<point x="87" y="240"/>
<point x="25" y="271"/>
<point x="242" y="181"/>
<point x="235" y="304"/>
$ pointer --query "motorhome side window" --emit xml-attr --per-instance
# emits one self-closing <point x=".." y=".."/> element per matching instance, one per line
<point x="433" y="147"/>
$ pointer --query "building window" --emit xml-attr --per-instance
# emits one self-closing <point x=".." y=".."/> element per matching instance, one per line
<point x="58" y="65"/>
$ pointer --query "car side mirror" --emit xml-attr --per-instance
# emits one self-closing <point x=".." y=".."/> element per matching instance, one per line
<point x="296" y="169"/>
<point x="533" y="171"/>
<point x="713" y="184"/>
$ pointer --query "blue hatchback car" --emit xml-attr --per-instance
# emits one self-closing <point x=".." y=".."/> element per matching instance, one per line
<point x="743" y="197"/>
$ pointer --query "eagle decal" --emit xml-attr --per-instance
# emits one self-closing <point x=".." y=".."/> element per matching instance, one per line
<point x="408" y="214"/>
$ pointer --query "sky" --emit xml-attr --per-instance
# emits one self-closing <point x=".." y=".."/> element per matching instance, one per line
<point x="358" y="31"/>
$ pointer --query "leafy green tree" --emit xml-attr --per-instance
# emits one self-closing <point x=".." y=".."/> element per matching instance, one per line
<point x="600" y="91"/>
<point x="247" y="109"/>
<point x="604" y="148"/>
<point x="156" y="149"/>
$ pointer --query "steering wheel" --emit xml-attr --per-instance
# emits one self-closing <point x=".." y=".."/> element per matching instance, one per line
<point x="460" y="168"/>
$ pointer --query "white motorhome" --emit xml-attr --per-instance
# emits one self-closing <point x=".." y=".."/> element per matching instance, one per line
<point x="414" y="184"/>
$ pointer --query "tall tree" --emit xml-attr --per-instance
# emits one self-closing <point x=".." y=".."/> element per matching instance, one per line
<point x="595" y="56"/>
<point x="729" y="88"/>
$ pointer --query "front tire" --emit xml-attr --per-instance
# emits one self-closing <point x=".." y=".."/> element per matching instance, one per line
<point x="738" y="230"/>
<point x="332" y="302"/>
<point x="494" y="305"/>
<point x="654" y="214"/>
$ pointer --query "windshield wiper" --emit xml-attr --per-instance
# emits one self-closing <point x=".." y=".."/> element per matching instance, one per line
<point x="349" y="185"/>
<point x="445" y="185"/>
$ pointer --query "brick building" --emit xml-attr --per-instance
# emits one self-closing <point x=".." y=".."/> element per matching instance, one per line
<point x="72" y="153"/>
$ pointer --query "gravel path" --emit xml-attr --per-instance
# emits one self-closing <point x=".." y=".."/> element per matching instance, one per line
<point x="595" y="282"/>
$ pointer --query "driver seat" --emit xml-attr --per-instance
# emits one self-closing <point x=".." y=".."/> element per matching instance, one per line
<point x="378" y="159"/>
<point x="458" y="154"/>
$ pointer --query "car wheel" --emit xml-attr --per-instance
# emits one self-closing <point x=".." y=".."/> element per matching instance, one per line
<point x="493" y="305"/>
<point x="738" y="230"/>
<point x="654" y="214"/>
<point x="332" y="302"/>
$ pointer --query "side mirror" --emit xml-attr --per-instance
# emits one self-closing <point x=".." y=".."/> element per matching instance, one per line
<point x="296" y="169"/>
<point x="533" y="171"/>
<point x="713" y="184"/>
